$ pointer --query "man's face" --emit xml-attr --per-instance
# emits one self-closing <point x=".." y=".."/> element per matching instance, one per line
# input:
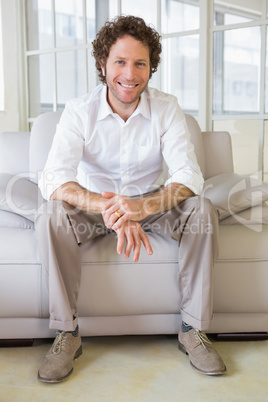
<point x="127" y="72"/>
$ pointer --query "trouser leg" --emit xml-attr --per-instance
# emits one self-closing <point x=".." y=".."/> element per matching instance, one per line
<point x="194" y="224"/>
<point x="60" y="229"/>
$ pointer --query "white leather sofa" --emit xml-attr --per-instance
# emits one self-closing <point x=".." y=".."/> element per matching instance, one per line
<point x="118" y="296"/>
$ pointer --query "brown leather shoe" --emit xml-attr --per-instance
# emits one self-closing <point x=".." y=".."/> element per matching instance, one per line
<point x="58" y="362"/>
<point x="203" y="357"/>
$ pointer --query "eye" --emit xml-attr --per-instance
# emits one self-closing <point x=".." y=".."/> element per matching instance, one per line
<point x="119" y="62"/>
<point x="140" y="63"/>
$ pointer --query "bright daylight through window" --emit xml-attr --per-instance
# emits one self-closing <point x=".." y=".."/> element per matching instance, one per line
<point x="2" y="88"/>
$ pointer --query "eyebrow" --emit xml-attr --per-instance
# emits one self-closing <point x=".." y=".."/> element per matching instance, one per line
<point x="124" y="58"/>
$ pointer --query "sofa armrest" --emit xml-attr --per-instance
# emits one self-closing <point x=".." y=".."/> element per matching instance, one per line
<point x="19" y="195"/>
<point x="218" y="153"/>
<point x="232" y="193"/>
<point x="14" y="152"/>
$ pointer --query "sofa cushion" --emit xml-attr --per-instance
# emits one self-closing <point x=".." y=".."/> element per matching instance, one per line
<point x="42" y="134"/>
<point x="19" y="195"/>
<point x="14" y="152"/>
<point x="11" y="220"/>
<point x="257" y="215"/>
<point x="197" y="140"/>
<point x="232" y="193"/>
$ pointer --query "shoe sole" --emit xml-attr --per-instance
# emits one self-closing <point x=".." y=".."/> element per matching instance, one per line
<point x="210" y="373"/>
<point x="56" y="381"/>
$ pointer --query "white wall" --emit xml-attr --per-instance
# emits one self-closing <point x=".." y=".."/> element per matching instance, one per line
<point x="10" y="118"/>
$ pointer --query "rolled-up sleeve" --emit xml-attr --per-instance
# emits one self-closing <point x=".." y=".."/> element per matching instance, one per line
<point x="179" y="155"/>
<point x="65" y="153"/>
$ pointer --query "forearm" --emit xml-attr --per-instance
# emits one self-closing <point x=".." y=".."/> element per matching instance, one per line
<point x="165" y="199"/>
<point x="79" y="197"/>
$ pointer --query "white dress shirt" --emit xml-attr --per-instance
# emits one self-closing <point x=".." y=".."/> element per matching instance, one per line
<point x="96" y="148"/>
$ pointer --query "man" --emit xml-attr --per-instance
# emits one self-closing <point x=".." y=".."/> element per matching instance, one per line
<point x="104" y="170"/>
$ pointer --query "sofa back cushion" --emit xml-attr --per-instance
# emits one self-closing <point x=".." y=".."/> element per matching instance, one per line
<point x="14" y="152"/>
<point x="197" y="140"/>
<point x="218" y="153"/>
<point x="42" y="134"/>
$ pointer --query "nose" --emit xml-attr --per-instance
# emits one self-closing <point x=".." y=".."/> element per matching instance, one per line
<point x="130" y="71"/>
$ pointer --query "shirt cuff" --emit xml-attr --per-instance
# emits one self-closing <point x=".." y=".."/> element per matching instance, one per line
<point x="49" y="182"/>
<point x="192" y="180"/>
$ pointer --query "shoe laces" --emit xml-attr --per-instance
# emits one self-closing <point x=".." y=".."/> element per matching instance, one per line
<point x="59" y="343"/>
<point x="202" y="338"/>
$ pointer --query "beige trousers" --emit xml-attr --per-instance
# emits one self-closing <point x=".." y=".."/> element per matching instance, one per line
<point x="61" y="229"/>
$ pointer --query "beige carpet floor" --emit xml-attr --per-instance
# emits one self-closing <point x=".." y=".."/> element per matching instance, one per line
<point x="137" y="368"/>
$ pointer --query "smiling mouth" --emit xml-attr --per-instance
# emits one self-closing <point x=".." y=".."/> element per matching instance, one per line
<point x="127" y="86"/>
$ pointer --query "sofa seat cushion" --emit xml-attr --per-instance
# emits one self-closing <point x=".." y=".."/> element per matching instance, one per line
<point x="122" y="287"/>
<point x="18" y="246"/>
<point x="11" y="220"/>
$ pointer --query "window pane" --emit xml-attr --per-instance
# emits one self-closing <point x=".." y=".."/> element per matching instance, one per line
<point x="266" y="78"/>
<point x="93" y="79"/>
<point x="140" y="8"/>
<point x="179" y="16"/>
<point x="180" y="70"/>
<point x="265" y="153"/>
<point x="235" y="11"/>
<point x="237" y="70"/>
<point x="69" y="22"/>
<point x="98" y="12"/>
<point x="41" y="83"/>
<point x="71" y="75"/>
<point x="91" y="20"/>
<point x="2" y="88"/>
<point x="245" y="140"/>
<point x="39" y="26"/>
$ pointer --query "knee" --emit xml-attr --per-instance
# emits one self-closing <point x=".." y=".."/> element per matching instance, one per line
<point x="50" y="212"/>
<point x="205" y="208"/>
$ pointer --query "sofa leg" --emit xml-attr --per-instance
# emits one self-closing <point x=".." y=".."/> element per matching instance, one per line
<point x="12" y="343"/>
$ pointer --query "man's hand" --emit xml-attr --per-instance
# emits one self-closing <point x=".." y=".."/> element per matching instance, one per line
<point x="132" y="233"/>
<point x="119" y="209"/>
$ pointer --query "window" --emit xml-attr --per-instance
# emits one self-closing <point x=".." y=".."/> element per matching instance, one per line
<point x="60" y="32"/>
<point x="2" y="88"/>
<point x="240" y="73"/>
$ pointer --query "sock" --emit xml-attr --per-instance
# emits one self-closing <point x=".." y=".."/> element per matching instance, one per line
<point x="74" y="333"/>
<point x="185" y="327"/>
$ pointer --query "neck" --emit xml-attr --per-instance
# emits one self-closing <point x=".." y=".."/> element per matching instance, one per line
<point x="124" y="110"/>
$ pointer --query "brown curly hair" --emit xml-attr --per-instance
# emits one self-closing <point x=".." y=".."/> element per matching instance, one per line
<point x="120" y="27"/>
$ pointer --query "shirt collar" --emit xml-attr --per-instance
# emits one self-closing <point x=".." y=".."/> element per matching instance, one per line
<point x="143" y="106"/>
<point x="105" y="109"/>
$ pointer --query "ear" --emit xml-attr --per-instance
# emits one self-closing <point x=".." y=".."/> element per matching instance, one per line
<point x="102" y="69"/>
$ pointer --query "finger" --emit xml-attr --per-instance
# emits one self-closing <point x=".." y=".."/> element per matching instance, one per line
<point x="129" y="242"/>
<point x="137" y="246"/>
<point x="110" y="199"/>
<point x="146" y="242"/>
<point x="120" y="241"/>
<point x="108" y="194"/>
<point x="119" y="222"/>
<point x="113" y="219"/>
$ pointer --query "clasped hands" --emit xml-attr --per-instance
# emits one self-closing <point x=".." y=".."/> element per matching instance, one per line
<point x="122" y="214"/>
